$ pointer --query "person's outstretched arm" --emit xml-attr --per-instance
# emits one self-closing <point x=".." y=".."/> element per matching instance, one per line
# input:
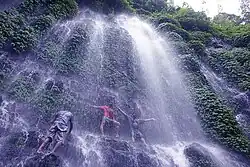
<point x="146" y="120"/>
<point x="98" y="107"/>
<point x="125" y="114"/>
<point x="95" y="106"/>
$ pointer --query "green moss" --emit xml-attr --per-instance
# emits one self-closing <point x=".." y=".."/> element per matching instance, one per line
<point x="181" y="47"/>
<point x="203" y="37"/>
<point x="242" y="40"/>
<point x="188" y="63"/>
<point x="23" y="40"/>
<point x="193" y="21"/>
<point x="62" y="8"/>
<point x="6" y="67"/>
<point x="72" y="58"/>
<point x="219" y="122"/>
<point x="23" y="88"/>
<point x="109" y="6"/>
<point x="47" y="101"/>
<point x="168" y="27"/>
<point x="164" y="18"/>
<point x="9" y="23"/>
<point x="217" y="119"/>
<point x="49" y="52"/>
<point x="233" y="66"/>
<point x="43" y="23"/>
<point x="198" y="47"/>
<point x="28" y="7"/>
<point x="20" y="28"/>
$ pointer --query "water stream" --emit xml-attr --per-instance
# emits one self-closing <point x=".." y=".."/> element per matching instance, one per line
<point x="123" y="59"/>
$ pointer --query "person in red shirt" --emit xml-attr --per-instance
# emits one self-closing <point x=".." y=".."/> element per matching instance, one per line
<point x="108" y="117"/>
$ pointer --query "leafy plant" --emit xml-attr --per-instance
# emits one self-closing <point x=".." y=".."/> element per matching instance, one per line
<point x="23" y="40"/>
<point x="168" y="27"/>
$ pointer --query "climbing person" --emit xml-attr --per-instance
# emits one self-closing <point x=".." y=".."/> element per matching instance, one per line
<point x="108" y="117"/>
<point x="62" y="125"/>
<point x="135" y="123"/>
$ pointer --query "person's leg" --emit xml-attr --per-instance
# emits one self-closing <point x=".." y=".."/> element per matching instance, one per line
<point x="60" y="138"/>
<point x="102" y="126"/>
<point x="117" y="127"/>
<point x="57" y="145"/>
<point x="143" y="141"/>
<point x="44" y="144"/>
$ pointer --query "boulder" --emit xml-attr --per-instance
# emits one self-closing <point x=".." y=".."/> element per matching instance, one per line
<point x="174" y="37"/>
<point x="123" y="154"/>
<point x="117" y="153"/>
<point x="199" y="156"/>
<point x="20" y="145"/>
<point x="144" y="160"/>
<point x="40" y="161"/>
<point x="216" y="43"/>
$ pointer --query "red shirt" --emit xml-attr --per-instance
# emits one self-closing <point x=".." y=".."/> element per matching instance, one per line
<point x="107" y="112"/>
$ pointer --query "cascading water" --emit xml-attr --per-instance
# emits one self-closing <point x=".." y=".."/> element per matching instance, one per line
<point x="122" y="59"/>
<point x="165" y="92"/>
<point x="231" y="94"/>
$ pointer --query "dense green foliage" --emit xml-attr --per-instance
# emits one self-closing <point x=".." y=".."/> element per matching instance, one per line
<point x="21" y="27"/>
<point x="232" y="65"/>
<point x="6" y="67"/>
<point x="217" y="119"/>
<point x="23" y="87"/>
<point x="109" y="6"/>
<point x="173" y="28"/>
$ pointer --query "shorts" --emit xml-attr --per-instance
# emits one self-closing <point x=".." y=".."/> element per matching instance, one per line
<point x="138" y="136"/>
<point x="108" y="120"/>
<point x="56" y="135"/>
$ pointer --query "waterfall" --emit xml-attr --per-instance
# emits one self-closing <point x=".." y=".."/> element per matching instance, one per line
<point x="166" y="94"/>
<point x="91" y="60"/>
<point x="229" y="93"/>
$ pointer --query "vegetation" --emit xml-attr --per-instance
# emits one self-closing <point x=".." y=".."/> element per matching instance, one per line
<point x="109" y="6"/>
<point x="233" y="66"/>
<point x="24" y="86"/>
<point x="217" y="119"/>
<point x="21" y="27"/>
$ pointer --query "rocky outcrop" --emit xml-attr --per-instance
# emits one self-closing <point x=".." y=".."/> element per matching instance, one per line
<point x="123" y="154"/>
<point x="47" y="161"/>
<point x="200" y="156"/>
<point x="20" y="149"/>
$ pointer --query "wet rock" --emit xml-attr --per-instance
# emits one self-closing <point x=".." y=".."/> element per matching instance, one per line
<point x="216" y="43"/>
<point x="20" y="145"/>
<point x="174" y="36"/>
<point x="123" y="154"/>
<point x="40" y="161"/>
<point x="49" y="84"/>
<point x="115" y="144"/>
<point x="145" y="160"/>
<point x="200" y="156"/>
<point x="242" y="100"/>
<point x="244" y="122"/>
<point x="73" y="153"/>
<point x="117" y="153"/>
<point x="181" y="47"/>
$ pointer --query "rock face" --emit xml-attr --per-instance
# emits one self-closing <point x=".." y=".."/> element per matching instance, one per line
<point x="47" y="161"/>
<point x="19" y="149"/>
<point x="200" y="156"/>
<point x="122" y="154"/>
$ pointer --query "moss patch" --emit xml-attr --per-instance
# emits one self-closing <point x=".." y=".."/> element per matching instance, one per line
<point x="232" y="65"/>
